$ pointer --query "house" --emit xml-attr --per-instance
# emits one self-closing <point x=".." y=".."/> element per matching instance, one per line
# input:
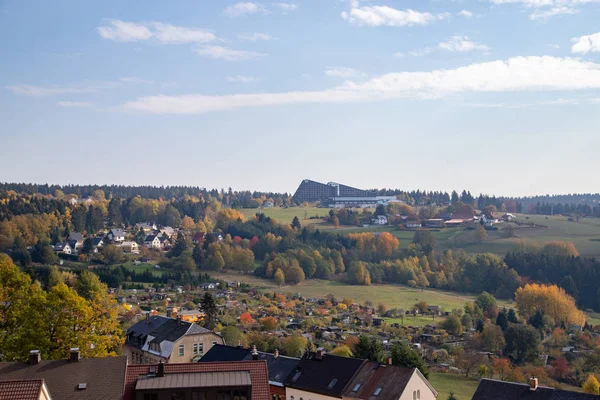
<point x="190" y="315"/>
<point x="389" y="382"/>
<point x="491" y="389"/>
<point x="152" y="242"/>
<point x="434" y="310"/>
<point x="73" y="201"/>
<point x="508" y="217"/>
<point x="435" y="223"/>
<point x="268" y="204"/>
<point x="130" y="247"/>
<point x="146" y="226"/>
<point x="76" y="236"/>
<point x="116" y="235"/>
<point x="165" y="243"/>
<point x="207" y="381"/>
<point x="75" y="378"/>
<point x="210" y="285"/>
<point x="158" y="338"/>
<point x="63" y="247"/>
<point x="26" y="389"/>
<point x="198" y="238"/>
<point x="96" y="243"/>
<point x="168" y="231"/>
<point x="278" y="367"/>
<point x="380" y="220"/>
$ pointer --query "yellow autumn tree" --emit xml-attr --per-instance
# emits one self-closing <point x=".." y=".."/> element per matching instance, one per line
<point x="558" y="248"/>
<point x="550" y="300"/>
<point x="591" y="385"/>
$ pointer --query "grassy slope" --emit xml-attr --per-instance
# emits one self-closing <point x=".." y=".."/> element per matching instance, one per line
<point x="463" y="388"/>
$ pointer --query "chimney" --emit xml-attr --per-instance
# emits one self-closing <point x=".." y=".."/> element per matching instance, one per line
<point x="34" y="357"/>
<point x="320" y="354"/>
<point x="389" y="361"/>
<point x="533" y="384"/>
<point x="148" y="317"/>
<point x="178" y="320"/>
<point x="74" y="354"/>
<point x="254" y="353"/>
<point x="161" y="369"/>
<point x="276" y="353"/>
<point x="169" y="313"/>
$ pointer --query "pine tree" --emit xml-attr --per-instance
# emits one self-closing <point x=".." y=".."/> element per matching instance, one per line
<point x="296" y="223"/>
<point x="210" y="310"/>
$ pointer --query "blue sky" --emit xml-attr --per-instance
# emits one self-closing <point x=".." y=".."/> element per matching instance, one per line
<point x="495" y="96"/>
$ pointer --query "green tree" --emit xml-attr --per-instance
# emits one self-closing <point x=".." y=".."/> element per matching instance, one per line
<point x="453" y="325"/>
<point x="522" y="343"/>
<point x="338" y="261"/>
<point x="208" y="305"/>
<point x="451" y="396"/>
<point x="198" y="255"/>
<point x="181" y="245"/>
<point x="19" y="253"/>
<point x="512" y="316"/>
<point x="294" y="275"/>
<point x="88" y="246"/>
<point x="425" y="239"/>
<point x="404" y="356"/>
<point x="502" y="319"/>
<point x="233" y="336"/>
<point x="43" y="253"/>
<point x="309" y="266"/>
<point x="115" y="219"/>
<point x="488" y="304"/>
<point x="279" y="277"/>
<point x="295" y="346"/>
<point x="112" y="254"/>
<point x="296" y="223"/>
<point x="479" y="233"/>
<point x="217" y="262"/>
<point x="171" y="216"/>
<point x="54" y="277"/>
<point x="368" y="349"/>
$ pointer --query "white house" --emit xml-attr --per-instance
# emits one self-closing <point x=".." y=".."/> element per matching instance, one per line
<point x="152" y="242"/>
<point x="130" y="247"/>
<point x="380" y="220"/>
<point x="116" y="235"/>
<point x="63" y="247"/>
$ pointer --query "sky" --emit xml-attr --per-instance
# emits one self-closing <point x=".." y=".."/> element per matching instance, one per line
<point x="497" y="97"/>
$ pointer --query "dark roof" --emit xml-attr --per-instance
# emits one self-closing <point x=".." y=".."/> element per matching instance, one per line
<point x="96" y="241"/>
<point x="116" y="232"/>
<point x="257" y="369"/>
<point x="390" y="380"/>
<point x="75" y="236"/>
<point x="105" y="377"/>
<point x="163" y="328"/>
<point x="490" y="389"/>
<point x="21" y="390"/>
<point x="279" y="367"/>
<point x="318" y="375"/>
<point x="149" y="238"/>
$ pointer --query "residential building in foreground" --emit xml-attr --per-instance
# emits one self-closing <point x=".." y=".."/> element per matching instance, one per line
<point x="170" y="340"/>
<point x="491" y="389"/>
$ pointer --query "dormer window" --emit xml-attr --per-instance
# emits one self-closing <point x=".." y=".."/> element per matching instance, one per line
<point x="377" y="391"/>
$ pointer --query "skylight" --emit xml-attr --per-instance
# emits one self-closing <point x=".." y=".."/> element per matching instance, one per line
<point x="295" y="378"/>
<point x="377" y="391"/>
<point x="356" y="387"/>
<point x="332" y="383"/>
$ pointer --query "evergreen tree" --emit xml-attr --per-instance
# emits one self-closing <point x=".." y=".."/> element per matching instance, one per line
<point x="115" y="219"/>
<point x="19" y="253"/>
<point x="296" y="223"/>
<point x="502" y="319"/>
<point x="406" y="357"/>
<point x="512" y="316"/>
<point x="42" y="253"/>
<point x="209" y="307"/>
<point x="197" y="255"/>
<point x="181" y="245"/>
<point x="368" y="349"/>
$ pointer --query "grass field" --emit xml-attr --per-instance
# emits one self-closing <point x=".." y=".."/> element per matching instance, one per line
<point x="391" y="295"/>
<point x="463" y="388"/>
<point x="585" y="234"/>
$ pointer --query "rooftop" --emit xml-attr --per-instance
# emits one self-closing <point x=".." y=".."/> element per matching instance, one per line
<point x="490" y="389"/>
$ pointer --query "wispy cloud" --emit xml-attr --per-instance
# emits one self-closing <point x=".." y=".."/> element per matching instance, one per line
<point x="56" y="90"/>
<point x="285" y="7"/>
<point x="244" y="9"/>
<point x="586" y="44"/>
<point x="228" y="54"/>
<point x="75" y="104"/>
<point x="254" y="36"/>
<point x="513" y="75"/>
<point x="462" y="44"/>
<point x="242" y="79"/>
<point x="545" y="9"/>
<point x="122" y="31"/>
<point x="465" y="13"/>
<point x="387" y="16"/>
<point x="132" y="79"/>
<point x="343" y="72"/>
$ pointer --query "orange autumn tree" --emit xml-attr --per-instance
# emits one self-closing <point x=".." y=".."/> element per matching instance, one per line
<point x="550" y="300"/>
<point x="246" y="318"/>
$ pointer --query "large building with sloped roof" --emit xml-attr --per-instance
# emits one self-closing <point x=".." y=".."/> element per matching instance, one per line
<point x="337" y="195"/>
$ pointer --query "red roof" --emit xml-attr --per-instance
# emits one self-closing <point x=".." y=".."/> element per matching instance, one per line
<point x="21" y="390"/>
<point x="257" y="369"/>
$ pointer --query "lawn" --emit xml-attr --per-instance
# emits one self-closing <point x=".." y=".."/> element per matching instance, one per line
<point x="286" y="215"/>
<point x="399" y="296"/>
<point x="444" y="383"/>
<point x="412" y="320"/>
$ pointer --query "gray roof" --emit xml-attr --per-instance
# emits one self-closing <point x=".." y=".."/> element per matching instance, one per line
<point x="75" y="236"/>
<point x="116" y="232"/>
<point x="105" y="377"/>
<point x="195" y="380"/>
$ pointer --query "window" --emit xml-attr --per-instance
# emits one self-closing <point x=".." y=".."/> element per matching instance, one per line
<point x="332" y="383"/>
<point x="177" y="395"/>
<point x="377" y="391"/>
<point x="195" y="347"/>
<point x="356" y="387"/>
<point x="295" y="378"/>
<point x="214" y="343"/>
<point x="414" y="395"/>
<point x="198" y="348"/>
<point x="181" y="350"/>
<point x="151" y="396"/>
<point x="418" y="394"/>
<point x="198" y="395"/>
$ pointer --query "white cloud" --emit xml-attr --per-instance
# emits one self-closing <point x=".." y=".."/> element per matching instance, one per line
<point x="285" y="7"/>
<point x="254" y="36"/>
<point x="54" y="90"/>
<point x="545" y="9"/>
<point x="465" y="13"/>
<point x="462" y="44"/>
<point x="244" y="9"/>
<point x="122" y="31"/>
<point x="132" y="79"/>
<point x="242" y="79"/>
<point x="542" y="15"/>
<point x="388" y="16"/>
<point x="515" y="74"/>
<point x="75" y="104"/>
<point x="586" y="44"/>
<point x="226" y="53"/>
<point x="343" y="72"/>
